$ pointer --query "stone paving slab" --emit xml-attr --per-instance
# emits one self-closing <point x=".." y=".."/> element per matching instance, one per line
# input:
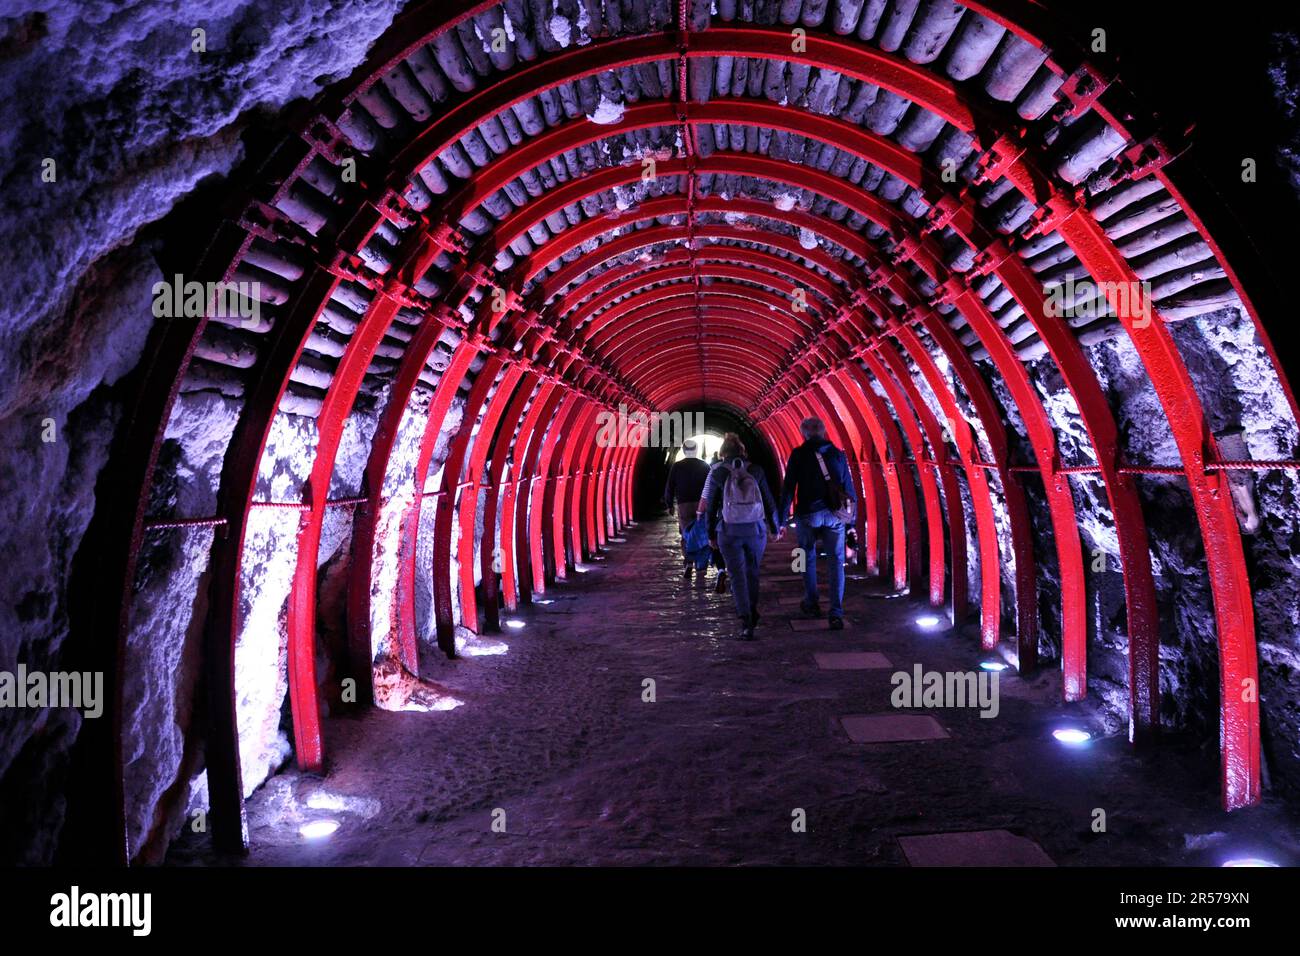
<point x="974" y="848"/>
<point x="814" y="624"/>
<point x="851" y="660"/>
<point x="891" y="728"/>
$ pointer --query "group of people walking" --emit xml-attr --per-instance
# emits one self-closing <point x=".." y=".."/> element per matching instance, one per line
<point x="733" y="499"/>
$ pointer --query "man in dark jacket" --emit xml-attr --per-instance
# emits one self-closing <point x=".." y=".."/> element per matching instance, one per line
<point x="683" y="491"/>
<point x="808" y="488"/>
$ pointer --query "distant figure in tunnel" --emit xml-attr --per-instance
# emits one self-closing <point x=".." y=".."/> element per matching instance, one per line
<point x="703" y="509"/>
<point x="741" y="510"/>
<point x="682" y="494"/>
<point x="818" y="483"/>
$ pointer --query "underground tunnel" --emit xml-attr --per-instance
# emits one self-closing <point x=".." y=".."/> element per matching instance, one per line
<point x="351" y="347"/>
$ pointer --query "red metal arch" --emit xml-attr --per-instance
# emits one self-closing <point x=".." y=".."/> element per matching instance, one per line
<point x="1223" y="546"/>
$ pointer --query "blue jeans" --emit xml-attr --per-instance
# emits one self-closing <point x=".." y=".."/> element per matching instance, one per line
<point x="742" y="548"/>
<point x="824" y="528"/>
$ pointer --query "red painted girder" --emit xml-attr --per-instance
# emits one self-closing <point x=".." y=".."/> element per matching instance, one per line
<point x="1013" y="495"/>
<point x="1060" y="498"/>
<point x="623" y="488"/>
<point x="904" y="526"/>
<point x="594" y="497"/>
<point x="367" y="515"/>
<point x="916" y="418"/>
<point x="601" y="290"/>
<point x="502" y="402"/>
<point x="867" y="406"/>
<point x="515" y="522"/>
<point x="304" y="698"/>
<point x="1099" y="423"/>
<point x="584" y="534"/>
<point x="981" y="494"/>
<point x="740" y="338"/>
<point x="731" y="329"/>
<point x="542" y="495"/>
<point x="626" y="458"/>
<point x="1181" y="176"/>
<point x="618" y="319"/>
<point x="1212" y="499"/>
<point x="775" y="291"/>
<point x="493" y="550"/>
<point x="1021" y="591"/>
<point x="646" y="311"/>
<point x="991" y="419"/>
<point x="100" y="829"/>
<point x="409" y="528"/>
<point x="728" y="378"/>
<point x="559" y="491"/>
<point x="1225" y="557"/>
<point x="452" y="491"/>
<point x="869" y="470"/>
<point x="613" y="248"/>
<point x="789" y="434"/>
<point x="653" y="369"/>
<point x="852" y="382"/>
<point x="593" y="229"/>
<point x="720" y="163"/>
<point x="911" y="81"/>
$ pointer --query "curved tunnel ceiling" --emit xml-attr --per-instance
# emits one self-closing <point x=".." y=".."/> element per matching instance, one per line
<point x="859" y="220"/>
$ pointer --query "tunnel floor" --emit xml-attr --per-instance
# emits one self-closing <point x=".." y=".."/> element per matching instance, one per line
<point x="555" y="733"/>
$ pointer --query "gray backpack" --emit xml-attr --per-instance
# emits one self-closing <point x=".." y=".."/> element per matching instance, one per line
<point x="742" y="502"/>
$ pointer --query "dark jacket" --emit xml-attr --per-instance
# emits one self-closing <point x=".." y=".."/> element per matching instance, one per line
<point x="685" y="481"/>
<point x="804" y="484"/>
<point x="719" y="486"/>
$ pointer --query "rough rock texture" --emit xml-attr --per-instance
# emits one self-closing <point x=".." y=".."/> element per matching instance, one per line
<point x="162" y="662"/>
<point x="133" y="119"/>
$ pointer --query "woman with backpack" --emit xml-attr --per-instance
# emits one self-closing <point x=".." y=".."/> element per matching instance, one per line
<point x="741" y="511"/>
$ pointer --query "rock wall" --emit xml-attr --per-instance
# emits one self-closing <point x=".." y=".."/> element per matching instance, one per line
<point x="108" y="118"/>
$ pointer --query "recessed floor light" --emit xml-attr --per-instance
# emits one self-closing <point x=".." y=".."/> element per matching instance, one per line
<point x="1071" y="735"/>
<point x="992" y="666"/>
<point x="927" y="620"/>
<point x="318" y="829"/>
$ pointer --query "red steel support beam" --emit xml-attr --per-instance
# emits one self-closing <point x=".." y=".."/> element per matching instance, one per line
<point x="496" y="561"/>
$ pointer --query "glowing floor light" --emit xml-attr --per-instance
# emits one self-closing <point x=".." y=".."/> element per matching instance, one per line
<point x="516" y="625"/>
<point x="544" y="601"/>
<point x="1071" y="735"/>
<point x="992" y="666"/>
<point x="1249" y="861"/>
<point x="318" y="829"/>
<point x="927" y="620"/>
